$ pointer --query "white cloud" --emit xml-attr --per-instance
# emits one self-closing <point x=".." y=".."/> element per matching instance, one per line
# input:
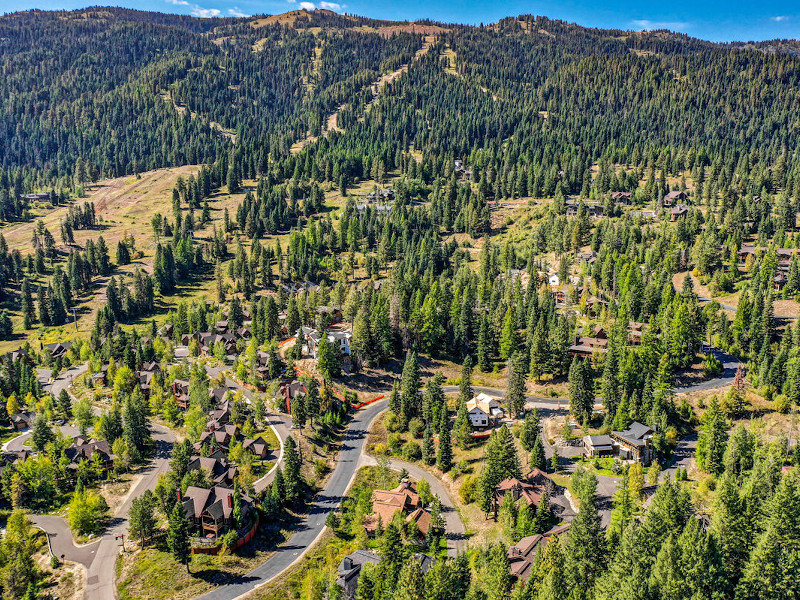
<point x="205" y="13"/>
<point x="307" y="5"/>
<point x="648" y="24"/>
<point x="331" y="6"/>
<point x="780" y="18"/>
<point x="198" y="11"/>
<point x="235" y="12"/>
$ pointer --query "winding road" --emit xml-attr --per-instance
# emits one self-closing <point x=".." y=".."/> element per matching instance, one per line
<point x="350" y="458"/>
<point x="100" y="557"/>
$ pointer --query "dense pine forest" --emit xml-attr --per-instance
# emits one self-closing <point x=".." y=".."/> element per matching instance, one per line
<point x="599" y="217"/>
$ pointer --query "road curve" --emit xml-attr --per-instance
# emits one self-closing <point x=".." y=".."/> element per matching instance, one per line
<point x="314" y="524"/>
<point x="456" y="532"/>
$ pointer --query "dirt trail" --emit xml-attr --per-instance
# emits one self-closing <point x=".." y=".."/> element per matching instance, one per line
<point x="332" y="123"/>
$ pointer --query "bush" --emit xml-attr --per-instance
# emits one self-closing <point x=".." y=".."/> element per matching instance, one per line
<point x="468" y="489"/>
<point x="782" y="403"/>
<point x="412" y="451"/>
<point x="320" y="467"/>
<point x="395" y="442"/>
<point x="712" y="366"/>
<point x="392" y="422"/>
<point x="230" y="539"/>
<point x="380" y="448"/>
<point x="87" y="512"/>
<point x="416" y="426"/>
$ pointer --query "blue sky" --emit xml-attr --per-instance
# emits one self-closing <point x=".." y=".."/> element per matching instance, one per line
<point x="713" y="19"/>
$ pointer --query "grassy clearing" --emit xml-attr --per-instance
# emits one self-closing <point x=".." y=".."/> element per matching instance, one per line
<point x="153" y="574"/>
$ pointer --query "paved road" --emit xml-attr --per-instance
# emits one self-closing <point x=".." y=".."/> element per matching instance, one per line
<point x="61" y="541"/>
<point x="18" y="443"/>
<point x="328" y="499"/>
<point x="101" y="574"/>
<point x="456" y="532"/>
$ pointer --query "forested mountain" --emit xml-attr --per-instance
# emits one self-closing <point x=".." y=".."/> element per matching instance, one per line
<point x="115" y="88"/>
<point x="599" y="214"/>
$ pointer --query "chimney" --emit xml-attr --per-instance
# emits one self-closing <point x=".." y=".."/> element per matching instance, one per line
<point x="230" y="501"/>
<point x="180" y="495"/>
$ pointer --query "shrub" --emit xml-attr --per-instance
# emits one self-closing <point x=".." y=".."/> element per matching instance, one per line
<point x="380" y="448"/>
<point x="229" y="539"/>
<point x="412" y="451"/>
<point x="416" y="427"/>
<point x="395" y="442"/>
<point x="468" y="489"/>
<point x="320" y="467"/>
<point x="712" y="366"/>
<point x="782" y="403"/>
<point x="392" y="422"/>
<point x="87" y="512"/>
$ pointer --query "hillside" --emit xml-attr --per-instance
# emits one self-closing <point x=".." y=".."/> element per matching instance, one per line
<point x="520" y="263"/>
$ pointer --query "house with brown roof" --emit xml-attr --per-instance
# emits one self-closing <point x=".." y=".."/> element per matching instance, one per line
<point x="22" y="420"/>
<point x="623" y="197"/>
<point x="522" y="555"/>
<point x="678" y="211"/>
<point x="219" y="469"/>
<point x="257" y="447"/>
<point x="387" y="503"/>
<point x="91" y="451"/>
<point x="530" y="489"/>
<point x="210" y="511"/>
<point x="674" y="197"/>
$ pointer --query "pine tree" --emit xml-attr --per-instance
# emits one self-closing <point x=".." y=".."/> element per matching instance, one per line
<point x="409" y="388"/>
<point x="428" y="446"/>
<point x="42" y="433"/>
<point x="291" y="473"/>
<point x="484" y="345"/>
<point x="465" y="386"/>
<point x="771" y="571"/>
<point x="515" y="398"/>
<point x="509" y="340"/>
<point x="444" y="455"/>
<point x="178" y="536"/>
<point x="329" y="360"/>
<point x="530" y="430"/>
<point x="394" y="399"/>
<point x="584" y="551"/>
<point x="410" y="583"/>
<point x="28" y="315"/>
<point x="713" y="438"/>
<point x="538" y="458"/>
<point x="462" y="430"/>
<point x="581" y="393"/>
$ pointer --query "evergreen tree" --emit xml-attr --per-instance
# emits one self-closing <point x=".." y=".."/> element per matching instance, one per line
<point x="585" y="550"/>
<point x="444" y="455"/>
<point x="531" y="428"/>
<point x="515" y="399"/>
<point x="581" y="392"/>
<point x="178" y="536"/>
<point x="428" y="447"/>
<point x="713" y="438"/>
<point x="292" y="477"/>
<point x="538" y="458"/>
<point x="462" y="429"/>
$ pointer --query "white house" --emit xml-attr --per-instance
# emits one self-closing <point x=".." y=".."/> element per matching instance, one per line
<point x="483" y="409"/>
<point x="338" y="338"/>
<point x="553" y="279"/>
<point x="477" y="417"/>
